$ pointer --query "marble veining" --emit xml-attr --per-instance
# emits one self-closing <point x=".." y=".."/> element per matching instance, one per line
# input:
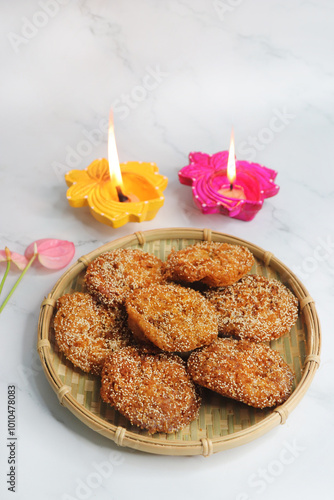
<point x="179" y="75"/>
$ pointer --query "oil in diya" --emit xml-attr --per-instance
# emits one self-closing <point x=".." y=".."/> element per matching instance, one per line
<point x="117" y="193"/>
<point x="222" y="184"/>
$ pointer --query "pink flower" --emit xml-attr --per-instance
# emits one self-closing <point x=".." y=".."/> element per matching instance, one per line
<point x="19" y="260"/>
<point x="53" y="254"/>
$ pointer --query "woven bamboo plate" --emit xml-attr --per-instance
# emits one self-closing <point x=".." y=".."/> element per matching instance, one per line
<point x="222" y="422"/>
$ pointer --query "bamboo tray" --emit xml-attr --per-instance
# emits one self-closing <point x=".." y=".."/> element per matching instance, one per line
<point x="222" y="422"/>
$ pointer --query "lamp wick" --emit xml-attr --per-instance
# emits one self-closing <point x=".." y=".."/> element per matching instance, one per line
<point x="121" y="197"/>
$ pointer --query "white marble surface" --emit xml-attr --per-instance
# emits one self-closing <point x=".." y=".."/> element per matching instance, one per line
<point x="179" y="74"/>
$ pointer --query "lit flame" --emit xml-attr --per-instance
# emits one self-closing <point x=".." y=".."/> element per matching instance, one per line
<point x="231" y="170"/>
<point x="114" y="167"/>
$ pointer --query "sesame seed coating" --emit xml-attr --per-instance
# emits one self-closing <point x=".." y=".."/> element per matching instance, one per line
<point x="139" y="310"/>
<point x="153" y="391"/>
<point x="172" y="317"/>
<point x="212" y="263"/>
<point x="249" y="372"/>
<point x="255" y="308"/>
<point x="86" y="332"/>
<point x="114" y="274"/>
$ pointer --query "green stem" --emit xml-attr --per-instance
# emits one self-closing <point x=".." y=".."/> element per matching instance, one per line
<point x="17" y="282"/>
<point x="5" y="276"/>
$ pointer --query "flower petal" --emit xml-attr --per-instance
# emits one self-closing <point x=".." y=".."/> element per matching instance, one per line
<point x="82" y="183"/>
<point x="199" y="158"/>
<point x="17" y="258"/>
<point x="99" y="170"/>
<point x="77" y="194"/>
<point x="52" y="253"/>
<point x="74" y="176"/>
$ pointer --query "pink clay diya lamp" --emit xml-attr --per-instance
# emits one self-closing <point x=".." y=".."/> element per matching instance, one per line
<point x="220" y="184"/>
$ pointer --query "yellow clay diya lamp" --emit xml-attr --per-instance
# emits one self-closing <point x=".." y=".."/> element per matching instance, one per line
<point x="117" y="193"/>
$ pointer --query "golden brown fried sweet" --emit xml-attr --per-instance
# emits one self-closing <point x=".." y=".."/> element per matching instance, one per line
<point x="153" y="391"/>
<point x="172" y="317"/>
<point x="86" y="331"/>
<point x="254" y="308"/>
<point x="113" y="275"/>
<point x="214" y="264"/>
<point x="249" y="372"/>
